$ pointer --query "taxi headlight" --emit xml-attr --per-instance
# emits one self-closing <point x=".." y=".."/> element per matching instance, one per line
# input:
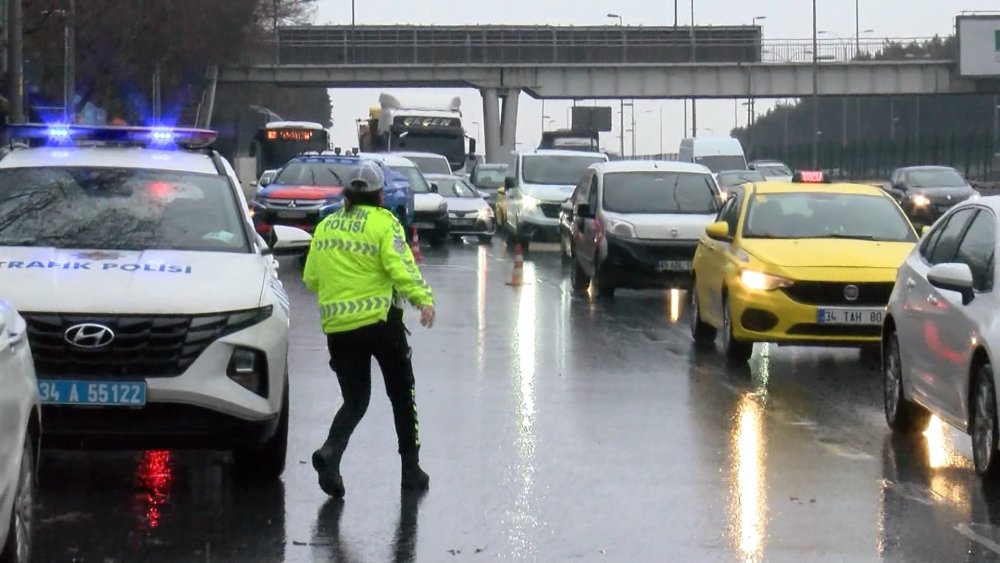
<point x="759" y="281"/>
<point x="920" y="200"/>
<point x="621" y="228"/>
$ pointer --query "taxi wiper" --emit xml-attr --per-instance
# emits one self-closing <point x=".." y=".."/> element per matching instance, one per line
<point x="845" y="236"/>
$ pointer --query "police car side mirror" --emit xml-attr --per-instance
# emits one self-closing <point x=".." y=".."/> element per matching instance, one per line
<point x="287" y="241"/>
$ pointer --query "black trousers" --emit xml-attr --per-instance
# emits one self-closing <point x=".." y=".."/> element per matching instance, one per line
<point x="351" y="356"/>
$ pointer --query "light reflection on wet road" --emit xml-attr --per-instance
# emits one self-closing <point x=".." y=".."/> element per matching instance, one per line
<point x="555" y="427"/>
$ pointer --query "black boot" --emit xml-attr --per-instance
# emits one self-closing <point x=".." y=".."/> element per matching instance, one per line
<point x="326" y="462"/>
<point x="414" y="478"/>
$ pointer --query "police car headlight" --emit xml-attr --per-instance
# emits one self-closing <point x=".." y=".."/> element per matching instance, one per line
<point x="248" y="367"/>
<point x="621" y="228"/>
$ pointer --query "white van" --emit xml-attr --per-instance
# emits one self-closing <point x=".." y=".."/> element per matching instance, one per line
<point x="637" y="224"/>
<point x="537" y="184"/>
<point x="717" y="153"/>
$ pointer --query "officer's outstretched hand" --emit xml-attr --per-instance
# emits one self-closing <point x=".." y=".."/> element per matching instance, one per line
<point x="427" y="316"/>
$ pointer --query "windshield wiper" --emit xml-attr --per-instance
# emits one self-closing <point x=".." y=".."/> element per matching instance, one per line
<point x="844" y="236"/>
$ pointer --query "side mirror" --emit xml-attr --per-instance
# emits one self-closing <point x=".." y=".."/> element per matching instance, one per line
<point x="434" y="187"/>
<point x="508" y="183"/>
<point x="286" y="241"/>
<point x="584" y="211"/>
<point x="263" y="182"/>
<point x="718" y="231"/>
<point x="953" y="277"/>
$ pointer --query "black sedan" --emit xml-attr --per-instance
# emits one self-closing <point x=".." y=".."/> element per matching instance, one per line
<point x="927" y="192"/>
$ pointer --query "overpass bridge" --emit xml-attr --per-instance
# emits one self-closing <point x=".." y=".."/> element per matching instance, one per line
<point x="591" y="62"/>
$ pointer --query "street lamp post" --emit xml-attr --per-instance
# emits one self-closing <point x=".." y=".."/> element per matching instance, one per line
<point x="815" y="92"/>
<point x="694" y="101"/>
<point x="621" y="101"/>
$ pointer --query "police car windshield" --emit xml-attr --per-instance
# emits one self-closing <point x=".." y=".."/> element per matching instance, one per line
<point x="659" y="192"/>
<point x="119" y="209"/>
<point x="454" y="187"/>
<point x="314" y="174"/>
<point x="558" y="169"/>
<point x="826" y="215"/>
<point x="431" y="164"/>
<point x="417" y="182"/>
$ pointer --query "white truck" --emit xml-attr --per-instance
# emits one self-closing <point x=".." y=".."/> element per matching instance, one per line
<point x="421" y="123"/>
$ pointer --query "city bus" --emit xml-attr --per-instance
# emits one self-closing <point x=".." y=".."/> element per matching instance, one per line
<point x="280" y="141"/>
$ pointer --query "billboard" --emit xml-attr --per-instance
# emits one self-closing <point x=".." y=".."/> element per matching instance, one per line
<point x="978" y="46"/>
<point x="587" y="118"/>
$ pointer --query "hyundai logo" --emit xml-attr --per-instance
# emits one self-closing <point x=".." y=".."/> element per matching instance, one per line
<point x="851" y="292"/>
<point x="89" y="335"/>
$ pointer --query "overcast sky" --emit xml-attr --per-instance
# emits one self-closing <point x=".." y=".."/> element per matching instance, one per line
<point x="785" y="19"/>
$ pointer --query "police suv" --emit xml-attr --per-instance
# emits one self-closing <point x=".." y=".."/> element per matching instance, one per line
<point x="154" y="312"/>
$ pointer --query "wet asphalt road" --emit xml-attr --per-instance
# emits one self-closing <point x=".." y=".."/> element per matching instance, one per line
<point x="554" y="427"/>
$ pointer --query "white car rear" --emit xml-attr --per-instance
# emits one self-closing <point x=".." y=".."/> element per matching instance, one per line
<point x="941" y="334"/>
<point x="20" y="433"/>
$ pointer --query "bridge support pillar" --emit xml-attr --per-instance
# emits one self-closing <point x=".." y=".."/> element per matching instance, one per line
<point x="491" y="124"/>
<point x="508" y="122"/>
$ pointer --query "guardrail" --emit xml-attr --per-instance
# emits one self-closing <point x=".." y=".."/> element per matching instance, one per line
<point x="478" y="49"/>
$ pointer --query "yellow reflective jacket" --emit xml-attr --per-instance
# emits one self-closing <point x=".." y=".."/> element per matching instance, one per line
<point x="356" y="260"/>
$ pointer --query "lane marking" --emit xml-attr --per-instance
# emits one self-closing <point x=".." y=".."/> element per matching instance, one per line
<point x="967" y="531"/>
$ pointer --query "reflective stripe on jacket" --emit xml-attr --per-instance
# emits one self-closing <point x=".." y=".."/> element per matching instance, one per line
<point x="357" y="258"/>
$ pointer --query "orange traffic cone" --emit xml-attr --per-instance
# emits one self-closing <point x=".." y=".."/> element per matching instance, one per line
<point x="517" y="277"/>
<point x="415" y="246"/>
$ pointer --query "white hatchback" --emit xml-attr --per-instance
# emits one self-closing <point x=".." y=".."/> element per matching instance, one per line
<point x="942" y="334"/>
<point x="20" y="433"/>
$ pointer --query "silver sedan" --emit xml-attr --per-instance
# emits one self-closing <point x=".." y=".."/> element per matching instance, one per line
<point x="468" y="210"/>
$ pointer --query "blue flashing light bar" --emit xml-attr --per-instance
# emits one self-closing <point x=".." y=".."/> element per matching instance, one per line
<point x="160" y="137"/>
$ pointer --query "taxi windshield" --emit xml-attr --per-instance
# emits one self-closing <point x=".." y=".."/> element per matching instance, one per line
<point x="826" y="215"/>
<point x="314" y="174"/>
<point x="119" y="209"/>
<point x="659" y="192"/>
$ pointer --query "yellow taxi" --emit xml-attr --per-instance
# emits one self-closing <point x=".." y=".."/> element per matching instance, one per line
<point x="798" y="264"/>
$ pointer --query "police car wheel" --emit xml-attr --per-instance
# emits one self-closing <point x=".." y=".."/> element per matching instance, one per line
<point x="268" y="460"/>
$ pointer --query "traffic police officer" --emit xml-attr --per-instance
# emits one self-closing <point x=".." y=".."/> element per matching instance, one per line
<point x="360" y="265"/>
